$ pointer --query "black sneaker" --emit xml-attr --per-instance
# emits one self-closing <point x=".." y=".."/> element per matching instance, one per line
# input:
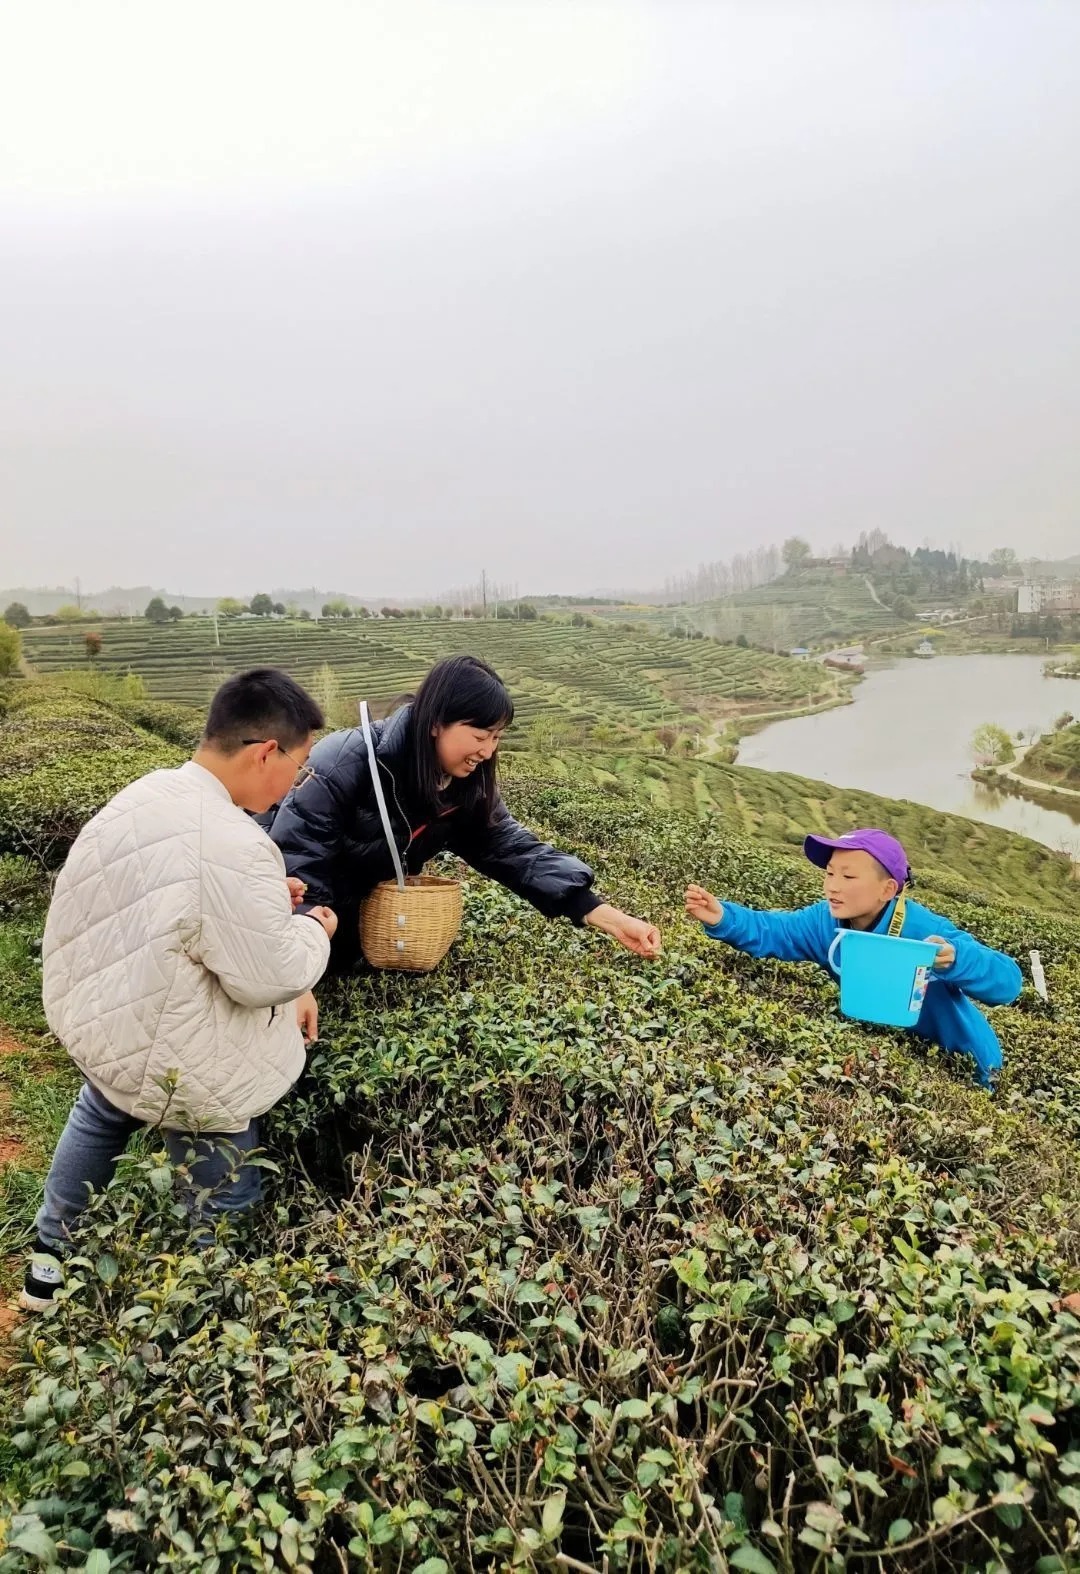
<point x="44" y="1277"/>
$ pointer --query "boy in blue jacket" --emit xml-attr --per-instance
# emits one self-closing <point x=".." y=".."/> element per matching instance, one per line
<point x="865" y="875"/>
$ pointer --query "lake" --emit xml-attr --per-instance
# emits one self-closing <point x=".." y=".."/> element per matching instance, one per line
<point x="908" y="735"/>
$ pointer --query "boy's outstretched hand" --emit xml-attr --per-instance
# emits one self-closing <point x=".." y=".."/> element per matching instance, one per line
<point x="702" y="905"/>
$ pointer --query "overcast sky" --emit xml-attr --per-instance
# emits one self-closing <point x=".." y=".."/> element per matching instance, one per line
<point x="373" y="296"/>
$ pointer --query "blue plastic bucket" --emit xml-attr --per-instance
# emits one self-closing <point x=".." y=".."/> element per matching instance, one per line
<point x="882" y="979"/>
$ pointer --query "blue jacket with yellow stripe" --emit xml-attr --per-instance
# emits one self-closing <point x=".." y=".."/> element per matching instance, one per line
<point x="948" y="1016"/>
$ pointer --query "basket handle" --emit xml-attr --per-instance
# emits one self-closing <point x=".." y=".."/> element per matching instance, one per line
<point x="380" y="799"/>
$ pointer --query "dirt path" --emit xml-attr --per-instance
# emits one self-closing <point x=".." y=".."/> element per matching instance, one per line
<point x="11" y="1151"/>
<point x="1030" y="781"/>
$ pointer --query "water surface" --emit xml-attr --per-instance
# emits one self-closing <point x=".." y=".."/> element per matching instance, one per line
<point x="908" y="735"/>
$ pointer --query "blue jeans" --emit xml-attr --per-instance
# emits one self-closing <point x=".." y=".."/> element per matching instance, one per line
<point x="96" y="1135"/>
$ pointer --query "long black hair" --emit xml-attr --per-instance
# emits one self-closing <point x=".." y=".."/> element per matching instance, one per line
<point x="458" y="688"/>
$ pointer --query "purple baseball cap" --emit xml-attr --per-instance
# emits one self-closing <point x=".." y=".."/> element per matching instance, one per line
<point x="879" y="844"/>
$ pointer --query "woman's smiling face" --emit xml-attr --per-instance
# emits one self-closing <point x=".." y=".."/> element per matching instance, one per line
<point x="462" y="747"/>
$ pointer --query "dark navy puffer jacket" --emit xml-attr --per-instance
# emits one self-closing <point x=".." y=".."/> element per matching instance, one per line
<point x="331" y="835"/>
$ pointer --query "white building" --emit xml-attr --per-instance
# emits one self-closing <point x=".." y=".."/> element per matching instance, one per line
<point x="1048" y="595"/>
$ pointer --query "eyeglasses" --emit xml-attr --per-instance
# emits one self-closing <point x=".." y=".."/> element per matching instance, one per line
<point x="304" y="773"/>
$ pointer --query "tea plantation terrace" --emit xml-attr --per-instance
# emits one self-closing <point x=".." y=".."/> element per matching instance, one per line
<point x="569" y="1262"/>
<point x="581" y="676"/>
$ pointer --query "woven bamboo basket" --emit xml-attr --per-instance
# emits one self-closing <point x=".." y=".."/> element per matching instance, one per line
<point x="410" y="927"/>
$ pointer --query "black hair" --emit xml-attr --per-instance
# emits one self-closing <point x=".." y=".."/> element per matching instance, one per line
<point x="458" y="688"/>
<point x="263" y="703"/>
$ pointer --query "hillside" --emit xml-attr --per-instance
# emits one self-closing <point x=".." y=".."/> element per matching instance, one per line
<point x="1055" y="759"/>
<point x="777" y="810"/>
<point x="624" y="680"/>
<point x="815" y="608"/>
<point x="570" y="1262"/>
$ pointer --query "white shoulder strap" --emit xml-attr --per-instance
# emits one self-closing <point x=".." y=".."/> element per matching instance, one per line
<point x="376" y="782"/>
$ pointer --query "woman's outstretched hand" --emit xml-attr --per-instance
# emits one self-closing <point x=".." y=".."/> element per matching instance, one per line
<point x="638" y="936"/>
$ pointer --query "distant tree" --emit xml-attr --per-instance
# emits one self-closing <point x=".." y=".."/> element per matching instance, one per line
<point x="279" y="609"/>
<point x="604" y="736"/>
<point x="742" y="642"/>
<point x="326" y="687"/>
<point x="904" y="609"/>
<point x="1003" y="560"/>
<point x="547" y="733"/>
<point x="337" y="607"/>
<point x="667" y="738"/>
<point x="795" y="552"/>
<point x="132" y="687"/>
<point x="92" y="641"/>
<point x="304" y="615"/>
<point x="156" y="611"/>
<point x="328" y="691"/>
<point x="526" y="612"/>
<point x="68" y="614"/>
<point x="229" y="607"/>
<point x="1066" y="719"/>
<point x="364" y="612"/>
<point x="17" y="616"/>
<point x="991" y="745"/>
<point x="175" y="614"/>
<point x="10" y="649"/>
<point x="261" y="605"/>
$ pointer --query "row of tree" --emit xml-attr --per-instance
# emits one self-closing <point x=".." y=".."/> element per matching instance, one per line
<point x="714" y="581"/>
<point x="18" y="616"/>
<point x="522" y="612"/>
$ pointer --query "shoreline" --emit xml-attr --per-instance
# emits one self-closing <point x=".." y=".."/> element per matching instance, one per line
<point x="1045" y="795"/>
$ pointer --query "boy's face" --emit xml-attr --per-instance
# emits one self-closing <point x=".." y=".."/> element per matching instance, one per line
<point x="856" y="886"/>
<point x="267" y="774"/>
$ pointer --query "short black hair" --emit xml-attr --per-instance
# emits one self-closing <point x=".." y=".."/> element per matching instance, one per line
<point x="263" y="703"/>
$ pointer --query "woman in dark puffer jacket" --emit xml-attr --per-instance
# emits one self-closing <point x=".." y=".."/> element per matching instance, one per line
<point x="437" y="759"/>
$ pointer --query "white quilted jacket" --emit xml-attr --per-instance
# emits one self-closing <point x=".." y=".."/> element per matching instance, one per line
<point x="171" y="951"/>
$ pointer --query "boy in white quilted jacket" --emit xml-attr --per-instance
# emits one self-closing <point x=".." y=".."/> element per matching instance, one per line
<point x="176" y="973"/>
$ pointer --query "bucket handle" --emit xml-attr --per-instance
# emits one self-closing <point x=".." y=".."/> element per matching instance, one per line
<point x="380" y="798"/>
<point x="840" y="933"/>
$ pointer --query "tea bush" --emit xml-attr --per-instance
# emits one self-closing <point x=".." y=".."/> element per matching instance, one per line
<point x="21" y="883"/>
<point x="575" y="1263"/>
<point x="179" y="724"/>
<point x="62" y="757"/>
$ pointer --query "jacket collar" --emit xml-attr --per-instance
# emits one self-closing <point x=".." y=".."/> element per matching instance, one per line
<point x="392" y="735"/>
<point x="206" y="779"/>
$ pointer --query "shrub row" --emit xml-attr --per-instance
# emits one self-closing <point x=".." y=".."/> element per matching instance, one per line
<point x="575" y="1263"/>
